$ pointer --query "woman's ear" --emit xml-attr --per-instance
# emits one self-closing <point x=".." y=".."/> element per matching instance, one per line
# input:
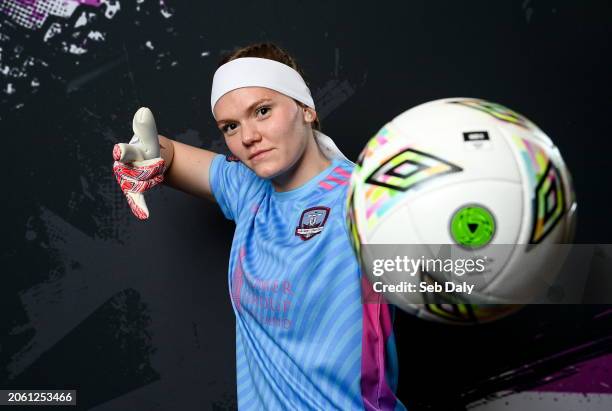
<point x="309" y="114"/>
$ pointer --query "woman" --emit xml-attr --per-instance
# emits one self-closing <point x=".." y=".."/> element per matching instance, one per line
<point x="304" y="340"/>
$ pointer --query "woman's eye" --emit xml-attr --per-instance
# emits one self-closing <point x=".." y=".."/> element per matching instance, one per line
<point x="229" y="127"/>
<point x="263" y="110"/>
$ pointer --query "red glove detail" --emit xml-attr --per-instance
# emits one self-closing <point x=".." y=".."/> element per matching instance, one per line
<point x="136" y="178"/>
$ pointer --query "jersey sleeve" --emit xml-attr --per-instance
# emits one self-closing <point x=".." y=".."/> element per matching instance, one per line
<point x="232" y="184"/>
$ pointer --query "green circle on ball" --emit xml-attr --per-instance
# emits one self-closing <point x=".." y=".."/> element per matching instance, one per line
<point x="473" y="226"/>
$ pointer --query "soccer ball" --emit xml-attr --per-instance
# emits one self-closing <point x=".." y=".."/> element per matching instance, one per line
<point x="459" y="179"/>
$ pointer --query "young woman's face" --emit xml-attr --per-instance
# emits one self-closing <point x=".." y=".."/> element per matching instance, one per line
<point x="266" y="130"/>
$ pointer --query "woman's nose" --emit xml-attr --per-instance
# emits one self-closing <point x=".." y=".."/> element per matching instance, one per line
<point x="250" y="134"/>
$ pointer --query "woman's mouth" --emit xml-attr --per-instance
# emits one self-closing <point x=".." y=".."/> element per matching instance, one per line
<point x="258" y="155"/>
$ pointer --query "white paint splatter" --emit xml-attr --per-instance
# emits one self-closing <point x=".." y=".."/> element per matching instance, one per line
<point x="165" y="11"/>
<point x="112" y="7"/>
<point x="74" y="49"/>
<point x="53" y="30"/>
<point x="81" y="21"/>
<point x="96" y="35"/>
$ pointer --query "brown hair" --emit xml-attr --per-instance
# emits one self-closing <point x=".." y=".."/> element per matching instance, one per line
<point x="272" y="52"/>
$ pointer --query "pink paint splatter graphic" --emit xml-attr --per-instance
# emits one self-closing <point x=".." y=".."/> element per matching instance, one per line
<point x="32" y="14"/>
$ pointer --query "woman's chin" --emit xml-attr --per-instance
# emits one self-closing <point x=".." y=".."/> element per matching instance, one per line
<point x="265" y="172"/>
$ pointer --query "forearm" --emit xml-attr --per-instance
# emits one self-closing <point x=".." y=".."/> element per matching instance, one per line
<point x="166" y="150"/>
<point x="186" y="167"/>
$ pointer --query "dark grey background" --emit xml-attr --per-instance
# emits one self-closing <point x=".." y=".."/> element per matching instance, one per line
<point x="136" y="315"/>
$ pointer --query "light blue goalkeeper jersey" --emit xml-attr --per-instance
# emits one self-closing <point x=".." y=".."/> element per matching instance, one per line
<point x="304" y="340"/>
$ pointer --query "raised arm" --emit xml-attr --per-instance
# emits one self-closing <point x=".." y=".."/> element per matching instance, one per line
<point x="186" y="167"/>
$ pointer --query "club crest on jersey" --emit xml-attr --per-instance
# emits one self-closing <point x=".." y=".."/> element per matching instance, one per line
<point x="311" y="222"/>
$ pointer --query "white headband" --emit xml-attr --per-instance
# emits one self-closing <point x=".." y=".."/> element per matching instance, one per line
<point x="259" y="72"/>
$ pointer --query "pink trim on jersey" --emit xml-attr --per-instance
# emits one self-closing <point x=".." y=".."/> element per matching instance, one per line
<point x="337" y="180"/>
<point x="377" y="327"/>
<point x="237" y="280"/>
<point x="342" y="179"/>
<point x="342" y="172"/>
